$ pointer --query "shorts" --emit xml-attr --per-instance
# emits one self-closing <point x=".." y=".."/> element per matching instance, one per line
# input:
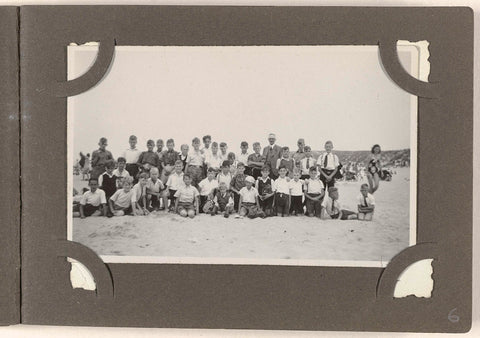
<point x="187" y="206"/>
<point x="314" y="208"/>
<point x="89" y="209"/>
<point x="251" y="210"/>
<point x="296" y="205"/>
<point x="281" y="203"/>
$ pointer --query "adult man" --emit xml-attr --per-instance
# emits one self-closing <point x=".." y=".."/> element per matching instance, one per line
<point x="272" y="153"/>
<point x="300" y="153"/>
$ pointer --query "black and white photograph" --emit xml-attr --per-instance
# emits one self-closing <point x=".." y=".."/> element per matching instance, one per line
<point x="276" y="155"/>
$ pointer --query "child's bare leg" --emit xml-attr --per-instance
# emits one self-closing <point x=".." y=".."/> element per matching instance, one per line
<point x="97" y="213"/>
<point x="369" y="216"/>
<point x="242" y="212"/>
<point x="361" y="216"/>
<point x="376" y="179"/>
<point x="183" y="213"/>
<point x="352" y="216"/>
<point x="370" y="183"/>
<point x="118" y="213"/>
<point x="165" y="201"/>
<point x="191" y="213"/>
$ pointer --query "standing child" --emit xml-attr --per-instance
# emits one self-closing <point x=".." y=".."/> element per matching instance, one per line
<point x="121" y="173"/>
<point x="156" y="191"/>
<point x="374" y="169"/>
<point x="237" y="183"/>
<point x="307" y="162"/>
<point x="332" y="208"/>
<point x="195" y="162"/>
<point x="100" y="158"/>
<point x="314" y="193"/>
<point x="168" y="159"/>
<point x="175" y="182"/>
<point x="223" y="151"/>
<point x="296" y="193"/>
<point x="207" y="187"/>
<point x="121" y="201"/>
<point x="233" y="163"/>
<point x="131" y="156"/>
<point x="248" y="204"/>
<point x="265" y="192"/>
<point x="223" y="201"/>
<point x="281" y="187"/>
<point x="148" y="159"/>
<point x="108" y="181"/>
<point x="186" y="199"/>
<point x="93" y="202"/>
<point x="139" y="199"/>
<point x="366" y="204"/>
<point x="184" y="149"/>
<point x="256" y="161"/>
<point x="225" y="176"/>
<point x="214" y="161"/>
<point x="286" y="162"/>
<point x="243" y="156"/>
<point x="328" y="164"/>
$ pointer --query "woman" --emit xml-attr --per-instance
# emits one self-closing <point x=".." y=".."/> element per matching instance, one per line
<point x="374" y="169"/>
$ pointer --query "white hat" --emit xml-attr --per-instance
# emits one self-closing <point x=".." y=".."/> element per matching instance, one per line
<point x="250" y="179"/>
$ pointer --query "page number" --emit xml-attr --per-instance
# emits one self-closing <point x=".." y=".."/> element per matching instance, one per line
<point x="452" y="317"/>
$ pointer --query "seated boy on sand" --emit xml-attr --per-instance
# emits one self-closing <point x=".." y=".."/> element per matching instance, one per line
<point x="332" y="209"/>
<point x="366" y="204"/>
<point x="139" y="198"/>
<point x="248" y="204"/>
<point x="186" y="199"/>
<point x="156" y="191"/>
<point x="223" y="201"/>
<point x="121" y="201"/>
<point x="93" y="202"/>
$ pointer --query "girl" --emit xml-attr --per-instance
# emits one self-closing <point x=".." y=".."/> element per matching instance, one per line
<point x="374" y="169"/>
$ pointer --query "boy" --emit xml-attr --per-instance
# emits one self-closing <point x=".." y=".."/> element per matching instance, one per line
<point x="175" y="182"/>
<point x="207" y="186"/>
<point x="131" y="156"/>
<point x="223" y="201"/>
<point x="256" y="161"/>
<point x="286" y="162"/>
<point x="160" y="145"/>
<point x="223" y="151"/>
<point x="139" y="201"/>
<point x="206" y="150"/>
<point x="333" y="210"/>
<point x="148" y="159"/>
<point x="237" y="183"/>
<point x="213" y="160"/>
<point x="186" y="199"/>
<point x="307" y="162"/>
<point x="225" y="176"/>
<point x="155" y="190"/>
<point x="100" y="158"/>
<point x="108" y="181"/>
<point x="328" y="164"/>
<point x="93" y="202"/>
<point x="169" y="157"/>
<point x="296" y="193"/>
<point x="195" y="162"/>
<point x="366" y="204"/>
<point x="281" y="187"/>
<point x="314" y="193"/>
<point x="121" y="201"/>
<point x="248" y="204"/>
<point x="184" y="155"/>
<point x="265" y="192"/>
<point x="243" y="156"/>
<point x="121" y="173"/>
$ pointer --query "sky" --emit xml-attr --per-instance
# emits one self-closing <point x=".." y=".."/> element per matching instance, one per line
<point x="319" y="93"/>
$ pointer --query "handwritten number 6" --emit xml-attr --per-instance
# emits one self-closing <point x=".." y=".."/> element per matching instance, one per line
<point x="453" y="318"/>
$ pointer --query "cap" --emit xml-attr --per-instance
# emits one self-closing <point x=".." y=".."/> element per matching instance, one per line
<point x="250" y="179"/>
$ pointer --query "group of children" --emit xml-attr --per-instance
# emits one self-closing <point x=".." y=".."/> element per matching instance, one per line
<point x="213" y="181"/>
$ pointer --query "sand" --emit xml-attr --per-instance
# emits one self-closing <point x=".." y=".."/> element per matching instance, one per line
<point x="288" y="238"/>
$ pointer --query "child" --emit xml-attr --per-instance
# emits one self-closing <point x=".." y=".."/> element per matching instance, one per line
<point x="186" y="199"/>
<point x="248" y="204"/>
<point x="175" y="182"/>
<point x="100" y="158"/>
<point x="265" y="192"/>
<point x="85" y="167"/>
<point x="195" y="162"/>
<point x="223" y="201"/>
<point x="160" y="145"/>
<point x="184" y="155"/>
<point x="374" y="169"/>
<point x="120" y="172"/>
<point x="108" y="181"/>
<point x="121" y="201"/>
<point x="314" y="193"/>
<point x="131" y="156"/>
<point x="243" y="156"/>
<point x="169" y="157"/>
<point x="93" y="202"/>
<point x="296" y="193"/>
<point x="237" y="183"/>
<point x="155" y="190"/>
<point x="225" y="176"/>
<point x="139" y="201"/>
<point x="333" y="210"/>
<point x="366" y="204"/>
<point x="223" y="151"/>
<point x="148" y="159"/>
<point x="281" y="187"/>
<point x="307" y="162"/>
<point x="207" y="187"/>
<point x="256" y="161"/>
<point x="214" y="160"/>
<point x="328" y="164"/>
<point x="286" y="162"/>
<point x="233" y="163"/>
<point x="207" y="150"/>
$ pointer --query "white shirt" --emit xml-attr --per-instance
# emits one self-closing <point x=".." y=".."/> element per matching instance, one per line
<point x="331" y="207"/>
<point x="249" y="195"/>
<point x="207" y="153"/>
<point x="296" y="187"/>
<point x="121" y="198"/>
<point x="314" y="186"/>
<point x="120" y="177"/>
<point x="281" y="185"/>
<point x="206" y="186"/>
<point x="243" y="158"/>
<point x="175" y="181"/>
<point x="213" y="161"/>
<point x="332" y="161"/>
<point x="195" y="158"/>
<point x="94" y="198"/>
<point x="154" y="187"/>
<point x="138" y="192"/>
<point x="186" y="194"/>
<point x="303" y="165"/>
<point x="131" y="155"/>
<point x="369" y="198"/>
<point x="224" y="178"/>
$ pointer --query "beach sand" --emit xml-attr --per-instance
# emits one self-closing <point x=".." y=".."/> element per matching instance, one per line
<point x="276" y="238"/>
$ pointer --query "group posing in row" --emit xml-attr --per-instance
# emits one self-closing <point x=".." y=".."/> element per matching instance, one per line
<point x="213" y="181"/>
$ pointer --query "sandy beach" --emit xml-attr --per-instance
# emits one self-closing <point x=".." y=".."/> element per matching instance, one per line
<point x="292" y="238"/>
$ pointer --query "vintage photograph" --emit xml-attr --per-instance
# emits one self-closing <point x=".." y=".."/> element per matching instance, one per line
<point x="284" y="155"/>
